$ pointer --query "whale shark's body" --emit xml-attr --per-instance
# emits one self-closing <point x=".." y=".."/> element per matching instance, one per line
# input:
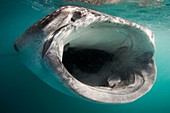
<point x="89" y="54"/>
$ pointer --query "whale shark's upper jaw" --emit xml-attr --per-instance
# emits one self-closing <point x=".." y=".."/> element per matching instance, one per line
<point x="100" y="57"/>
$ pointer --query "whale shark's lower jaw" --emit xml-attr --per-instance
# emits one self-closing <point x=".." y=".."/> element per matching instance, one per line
<point x="97" y="56"/>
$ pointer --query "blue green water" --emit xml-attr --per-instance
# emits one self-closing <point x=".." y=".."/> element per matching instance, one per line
<point x="22" y="92"/>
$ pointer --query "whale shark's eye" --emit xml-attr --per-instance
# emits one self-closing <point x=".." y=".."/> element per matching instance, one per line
<point x="76" y="15"/>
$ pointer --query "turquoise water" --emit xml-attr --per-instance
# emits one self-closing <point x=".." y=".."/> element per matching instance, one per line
<point x="22" y="92"/>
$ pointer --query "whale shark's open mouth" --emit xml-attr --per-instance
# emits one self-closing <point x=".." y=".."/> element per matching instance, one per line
<point x="103" y="55"/>
<point x="107" y="57"/>
<point x="100" y="57"/>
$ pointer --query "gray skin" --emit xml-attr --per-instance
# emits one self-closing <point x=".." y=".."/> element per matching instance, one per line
<point x="90" y="55"/>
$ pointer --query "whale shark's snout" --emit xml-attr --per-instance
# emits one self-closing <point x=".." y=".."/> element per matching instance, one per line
<point x="89" y="54"/>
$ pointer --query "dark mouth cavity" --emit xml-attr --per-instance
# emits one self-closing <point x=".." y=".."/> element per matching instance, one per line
<point x="96" y="67"/>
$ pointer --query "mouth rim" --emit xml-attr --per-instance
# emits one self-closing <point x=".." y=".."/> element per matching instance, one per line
<point x="90" y="92"/>
<point x="82" y="89"/>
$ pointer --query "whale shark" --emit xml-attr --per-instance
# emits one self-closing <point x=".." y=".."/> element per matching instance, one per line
<point x="90" y="55"/>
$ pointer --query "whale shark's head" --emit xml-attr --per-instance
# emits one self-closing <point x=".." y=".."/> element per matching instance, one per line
<point x="89" y="54"/>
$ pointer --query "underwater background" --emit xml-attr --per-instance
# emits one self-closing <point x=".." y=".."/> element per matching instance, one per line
<point x="22" y="92"/>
